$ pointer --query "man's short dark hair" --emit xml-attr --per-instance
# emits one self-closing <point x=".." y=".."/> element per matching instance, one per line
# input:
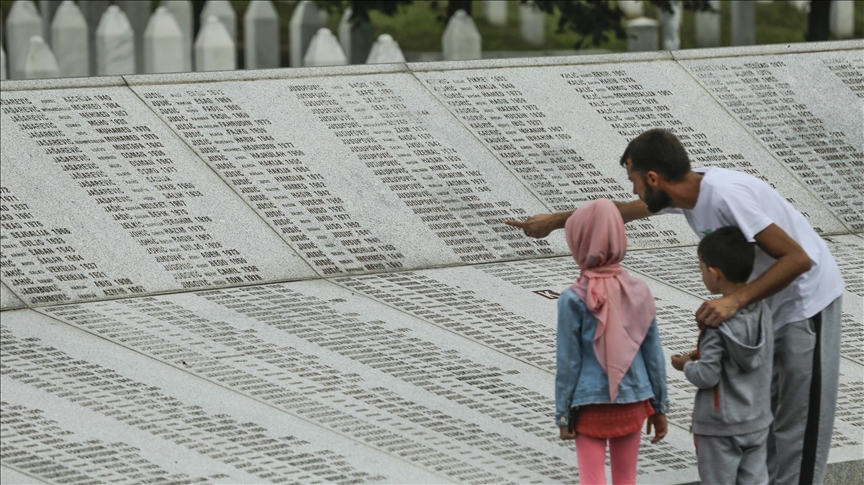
<point x="658" y="151"/>
<point x="729" y="251"/>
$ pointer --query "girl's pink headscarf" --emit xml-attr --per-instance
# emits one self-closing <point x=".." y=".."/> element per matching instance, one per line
<point x="622" y="304"/>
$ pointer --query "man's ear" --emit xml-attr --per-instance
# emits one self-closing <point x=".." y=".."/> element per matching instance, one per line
<point x="652" y="178"/>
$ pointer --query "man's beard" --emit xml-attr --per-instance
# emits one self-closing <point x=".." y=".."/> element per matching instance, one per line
<point x="656" y="201"/>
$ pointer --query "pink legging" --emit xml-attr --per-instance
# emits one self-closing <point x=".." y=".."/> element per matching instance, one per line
<point x="591" y="457"/>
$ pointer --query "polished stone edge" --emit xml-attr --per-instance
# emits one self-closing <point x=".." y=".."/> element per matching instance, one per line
<point x="768" y="49"/>
<point x="62" y="83"/>
<point x="837" y="473"/>
<point x="845" y="472"/>
<point x="10" y="300"/>
<point x="616" y="58"/>
<point x="263" y="74"/>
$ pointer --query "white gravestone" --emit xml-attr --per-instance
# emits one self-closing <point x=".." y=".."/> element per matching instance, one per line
<point x="115" y="44"/>
<point x="671" y="22"/>
<point x="642" y="35"/>
<point x="304" y="23"/>
<point x="495" y="12"/>
<point x="532" y="24"/>
<point x="23" y="23"/>
<point x="632" y="9"/>
<point x="356" y="39"/>
<point x="385" y="50"/>
<point x="92" y="11"/>
<point x="801" y="5"/>
<point x="2" y="63"/>
<point x="138" y="13"/>
<point x="70" y="40"/>
<point x="708" y="26"/>
<point x="261" y="35"/>
<point x="40" y="63"/>
<point x="225" y="12"/>
<point x="182" y="12"/>
<point x="324" y="50"/>
<point x="163" y="43"/>
<point x="48" y="8"/>
<point x="461" y="40"/>
<point x="214" y="48"/>
<point x="743" y="23"/>
<point x="843" y="19"/>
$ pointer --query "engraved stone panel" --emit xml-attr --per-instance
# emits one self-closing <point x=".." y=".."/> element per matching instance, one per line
<point x="811" y="123"/>
<point x="8" y="300"/>
<point x="679" y="268"/>
<point x="137" y="420"/>
<point x="358" y="174"/>
<point x="101" y="200"/>
<point x="562" y="130"/>
<point x="315" y="350"/>
<point x="332" y="359"/>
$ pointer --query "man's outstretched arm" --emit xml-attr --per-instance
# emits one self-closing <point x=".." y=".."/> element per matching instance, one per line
<point x="541" y="225"/>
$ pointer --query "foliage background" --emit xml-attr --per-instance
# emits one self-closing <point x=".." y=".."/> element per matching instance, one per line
<point x="417" y="27"/>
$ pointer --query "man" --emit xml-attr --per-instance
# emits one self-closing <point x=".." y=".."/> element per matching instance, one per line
<point x="794" y="272"/>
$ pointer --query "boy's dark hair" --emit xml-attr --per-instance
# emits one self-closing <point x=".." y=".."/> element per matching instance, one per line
<point x="658" y="151"/>
<point x="729" y="251"/>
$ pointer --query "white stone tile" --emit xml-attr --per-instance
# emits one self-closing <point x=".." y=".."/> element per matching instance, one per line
<point x="811" y="123"/>
<point x="162" y="422"/>
<point x="358" y="175"/>
<point x="8" y="300"/>
<point x="129" y="210"/>
<point x="576" y="121"/>
<point x="14" y="477"/>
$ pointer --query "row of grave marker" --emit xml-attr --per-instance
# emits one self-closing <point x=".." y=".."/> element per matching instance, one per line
<point x="128" y="39"/>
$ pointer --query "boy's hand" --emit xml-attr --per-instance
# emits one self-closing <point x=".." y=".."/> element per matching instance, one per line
<point x="566" y="434"/>
<point x="694" y="355"/>
<point x="679" y="360"/>
<point x="659" y="423"/>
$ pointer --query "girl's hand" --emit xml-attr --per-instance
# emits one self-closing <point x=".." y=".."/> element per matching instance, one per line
<point x="567" y="434"/>
<point x="658" y="421"/>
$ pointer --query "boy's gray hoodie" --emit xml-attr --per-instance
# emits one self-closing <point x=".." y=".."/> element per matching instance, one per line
<point x="734" y="374"/>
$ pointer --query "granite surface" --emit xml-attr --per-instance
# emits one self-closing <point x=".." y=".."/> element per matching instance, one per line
<point x="8" y="300"/>
<point x="357" y="175"/>
<point x="811" y="124"/>
<point x="104" y="201"/>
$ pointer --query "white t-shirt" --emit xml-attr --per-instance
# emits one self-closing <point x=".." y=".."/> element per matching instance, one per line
<point x="730" y="198"/>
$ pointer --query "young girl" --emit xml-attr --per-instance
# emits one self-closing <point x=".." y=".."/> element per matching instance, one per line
<point x="611" y="370"/>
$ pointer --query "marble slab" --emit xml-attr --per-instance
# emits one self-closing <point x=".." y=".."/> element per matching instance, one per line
<point x="315" y="350"/>
<point x="9" y="476"/>
<point x="138" y="420"/>
<point x="511" y="307"/>
<point x="562" y="129"/>
<point x="101" y="200"/>
<point x="679" y="268"/>
<point x="806" y="111"/>
<point x="8" y="300"/>
<point x="357" y="174"/>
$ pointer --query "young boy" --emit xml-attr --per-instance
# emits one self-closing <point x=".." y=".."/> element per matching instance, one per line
<point x="732" y="369"/>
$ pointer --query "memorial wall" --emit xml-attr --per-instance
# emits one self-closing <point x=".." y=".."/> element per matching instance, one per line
<point x="303" y="275"/>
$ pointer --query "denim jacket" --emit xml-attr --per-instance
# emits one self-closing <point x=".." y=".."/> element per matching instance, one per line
<point x="581" y="380"/>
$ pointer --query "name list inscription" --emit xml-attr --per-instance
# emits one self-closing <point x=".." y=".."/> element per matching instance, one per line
<point x="781" y="113"/>
<point x="102" y="160"/>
